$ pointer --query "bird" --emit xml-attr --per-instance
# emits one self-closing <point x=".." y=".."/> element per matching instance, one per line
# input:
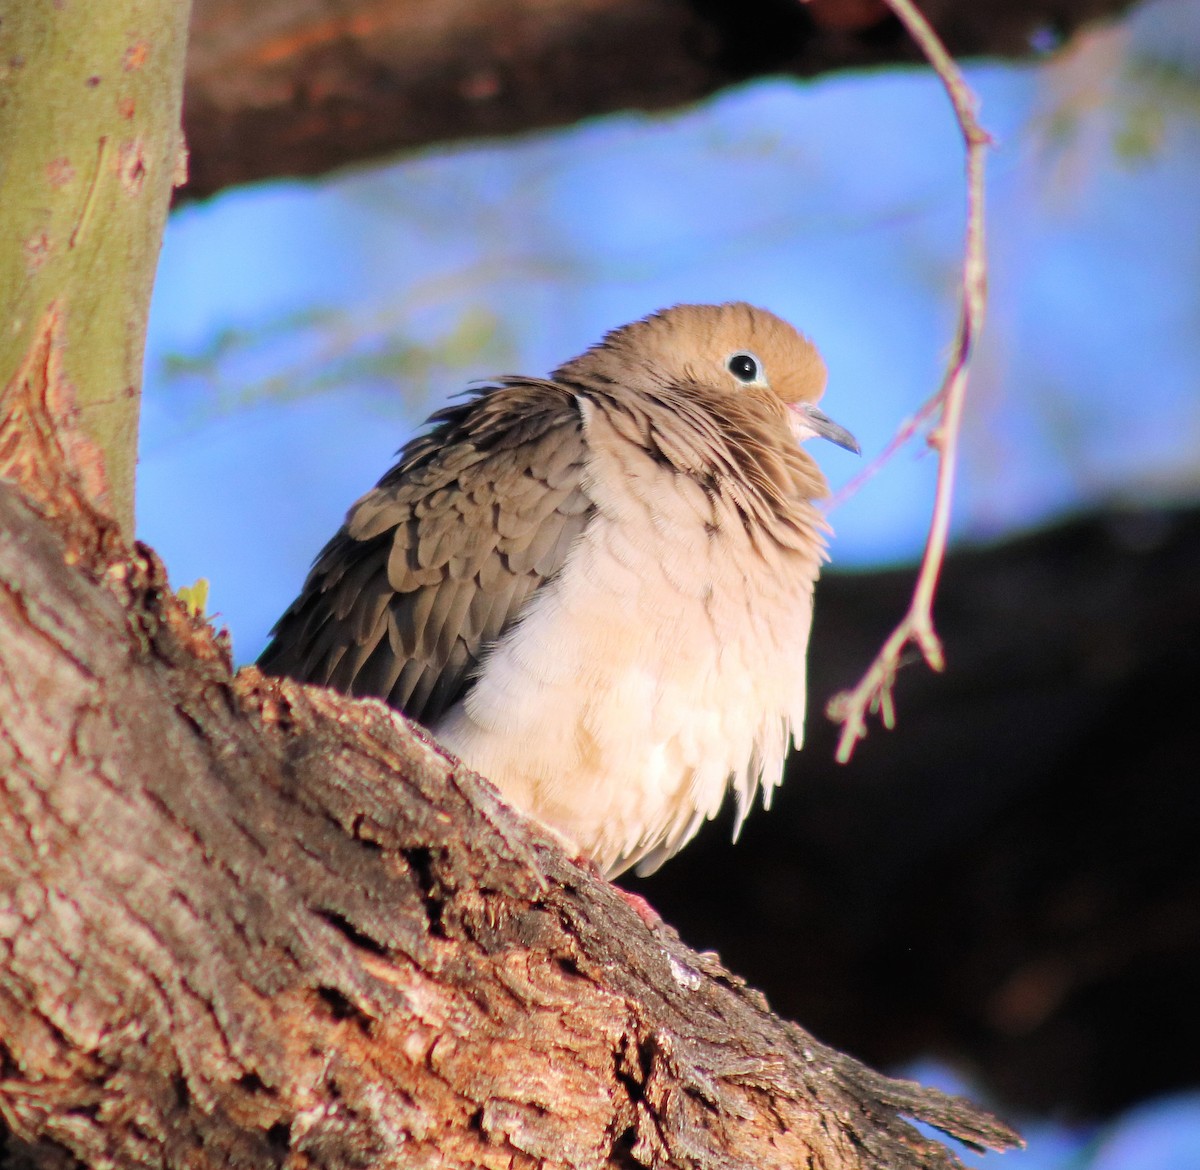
<point x="596" y="589"/>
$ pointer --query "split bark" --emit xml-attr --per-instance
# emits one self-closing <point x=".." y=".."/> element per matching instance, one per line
<point x="91" y="148"/>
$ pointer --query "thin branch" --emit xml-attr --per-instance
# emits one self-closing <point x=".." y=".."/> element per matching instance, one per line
<point x="873" y="693"/>
<point x="904" y="433"/>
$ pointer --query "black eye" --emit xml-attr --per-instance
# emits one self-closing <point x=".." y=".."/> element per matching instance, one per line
<point x="743" y="367"/>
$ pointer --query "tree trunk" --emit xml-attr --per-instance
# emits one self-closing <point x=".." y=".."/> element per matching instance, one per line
<point x="89" y="122"/>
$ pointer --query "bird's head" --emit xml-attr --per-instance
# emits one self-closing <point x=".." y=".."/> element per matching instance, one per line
<point x="733" y="350"/>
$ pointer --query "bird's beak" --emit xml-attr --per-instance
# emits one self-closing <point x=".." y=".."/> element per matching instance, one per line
<point x="808" y="422"/>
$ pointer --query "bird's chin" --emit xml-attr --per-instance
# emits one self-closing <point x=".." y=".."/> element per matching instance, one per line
<point x="802" y="430"/>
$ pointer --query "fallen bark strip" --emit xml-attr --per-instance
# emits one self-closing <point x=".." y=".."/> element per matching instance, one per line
<point x="248" y="922"/>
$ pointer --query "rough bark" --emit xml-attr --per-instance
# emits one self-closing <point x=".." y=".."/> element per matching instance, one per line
<point x="89" y="121"/>
<point x="280" y="87"/>
<point x="245" y="922"/>
<point x="1011" y="878"/>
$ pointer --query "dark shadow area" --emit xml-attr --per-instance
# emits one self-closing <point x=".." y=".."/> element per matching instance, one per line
<point x="1011" y="878"/>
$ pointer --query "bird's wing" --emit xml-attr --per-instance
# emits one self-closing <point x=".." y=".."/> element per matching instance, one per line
<point x="436" y="562"/>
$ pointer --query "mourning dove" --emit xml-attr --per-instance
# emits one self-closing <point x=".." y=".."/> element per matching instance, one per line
<point x="596" y="589"/>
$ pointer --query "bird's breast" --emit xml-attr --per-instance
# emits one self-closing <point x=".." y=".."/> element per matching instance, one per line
<point x="664" y="663"/>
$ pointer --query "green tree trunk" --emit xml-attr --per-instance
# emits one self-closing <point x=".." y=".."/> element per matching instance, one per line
<point x="90" y="148"/>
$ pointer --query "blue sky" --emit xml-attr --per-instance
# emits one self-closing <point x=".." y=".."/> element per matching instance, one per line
<point x="836" y="203"/>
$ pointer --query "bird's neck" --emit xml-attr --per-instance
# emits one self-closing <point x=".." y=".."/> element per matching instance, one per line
<point x="739" y="448"/>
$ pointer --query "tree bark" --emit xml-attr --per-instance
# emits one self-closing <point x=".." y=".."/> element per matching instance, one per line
<point x="248" y="922"/>
<point x="279" y="88"/>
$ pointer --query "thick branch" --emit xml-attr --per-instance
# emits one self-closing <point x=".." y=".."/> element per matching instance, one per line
<point x="277" y="87"/>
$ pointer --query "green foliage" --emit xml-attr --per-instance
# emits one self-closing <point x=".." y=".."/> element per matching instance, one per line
<point x="339" y="351"/>
<point x="1154" y="91"/>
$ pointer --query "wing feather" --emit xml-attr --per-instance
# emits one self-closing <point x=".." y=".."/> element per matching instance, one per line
<point x="437" y="561"/>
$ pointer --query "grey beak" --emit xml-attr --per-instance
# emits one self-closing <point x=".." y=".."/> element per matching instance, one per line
<point x="824" y="427"/>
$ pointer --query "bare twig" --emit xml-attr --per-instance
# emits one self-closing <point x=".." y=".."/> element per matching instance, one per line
<point x="904" y="433"/>
<point x="873" y="693"/>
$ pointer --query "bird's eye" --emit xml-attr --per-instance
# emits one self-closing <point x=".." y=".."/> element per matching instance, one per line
<point x="744" y="367"/>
